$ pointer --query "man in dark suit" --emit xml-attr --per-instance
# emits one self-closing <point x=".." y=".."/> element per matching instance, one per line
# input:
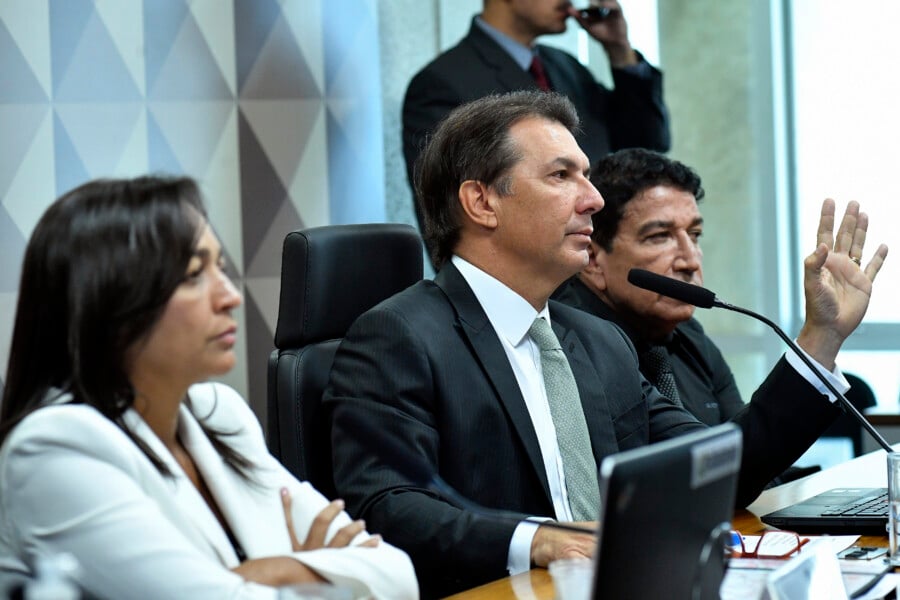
<point x="460" y="374"/>
<point x="651" y="220"/>
<point x="496" y="56"/>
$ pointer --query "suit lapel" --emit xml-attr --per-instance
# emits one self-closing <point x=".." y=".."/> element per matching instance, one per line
<point x="183" y="504"/>
<point x="509" y="75"/>
<point x="590" y="390"/>
<point x="486" y="346"/>
<point x="241" y="503"/>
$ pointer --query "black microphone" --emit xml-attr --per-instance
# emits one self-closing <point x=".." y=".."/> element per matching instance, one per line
<point x="704" y="298"/>
<point x="686" y="292"/>
<point x="420" y="473"/>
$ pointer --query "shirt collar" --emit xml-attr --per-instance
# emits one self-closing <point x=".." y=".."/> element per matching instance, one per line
<point x="519" y="53"/>
<point x="509" y="313"/>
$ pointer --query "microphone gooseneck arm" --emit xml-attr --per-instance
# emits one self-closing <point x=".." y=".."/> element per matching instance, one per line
<point x="802" y="356"/>
<point x="704" y="298"/>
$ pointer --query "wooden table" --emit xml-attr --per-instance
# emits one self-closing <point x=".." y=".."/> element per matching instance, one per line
<point x="882" y="416"/>
<point x="869" y="470"/>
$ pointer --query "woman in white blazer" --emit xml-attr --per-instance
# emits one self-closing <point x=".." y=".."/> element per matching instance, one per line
<point x="113" y="451"/>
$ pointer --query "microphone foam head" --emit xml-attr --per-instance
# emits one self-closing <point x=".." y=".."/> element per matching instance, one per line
<point x="666" y="286"/>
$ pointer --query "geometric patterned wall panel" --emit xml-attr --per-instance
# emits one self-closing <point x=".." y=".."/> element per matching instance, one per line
<point x="270" y="68"/>
<point x="272" y="105"/>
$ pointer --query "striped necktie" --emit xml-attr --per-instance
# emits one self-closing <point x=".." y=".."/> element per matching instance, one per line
<point x="660" y="373"/>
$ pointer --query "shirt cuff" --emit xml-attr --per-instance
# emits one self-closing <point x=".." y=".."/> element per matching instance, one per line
<point x="835" y="378"/>
<point x="519" y="559"/>
<point x="641" y="68"/>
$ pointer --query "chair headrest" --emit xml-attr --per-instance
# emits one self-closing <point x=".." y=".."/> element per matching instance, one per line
<point x="860" y="394"/>
<point x="330" y="275"/>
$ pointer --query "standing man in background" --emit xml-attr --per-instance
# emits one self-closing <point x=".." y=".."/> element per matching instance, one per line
<point x="499" y="54"/>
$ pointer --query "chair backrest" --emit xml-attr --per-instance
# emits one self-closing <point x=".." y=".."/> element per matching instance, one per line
<point x="329" y="276"/>
<point x="862" y="397"/>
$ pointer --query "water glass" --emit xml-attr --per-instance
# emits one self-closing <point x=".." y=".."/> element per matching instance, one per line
<point x="572" y="578"/>
<point x="893" y="468"/>
<point x="314" y="591"/>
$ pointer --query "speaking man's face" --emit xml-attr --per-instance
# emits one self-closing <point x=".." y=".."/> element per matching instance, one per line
<point x="660" y="231"/>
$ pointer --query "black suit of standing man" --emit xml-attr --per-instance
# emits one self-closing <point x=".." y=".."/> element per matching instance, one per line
<point x="495" y="56"/>
<point x="449" y="369"/>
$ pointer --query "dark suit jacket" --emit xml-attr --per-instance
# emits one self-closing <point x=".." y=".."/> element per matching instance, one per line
<point x="427" y="367"/>
<point x="631" y="115"/>
<point x="705" y="381"/>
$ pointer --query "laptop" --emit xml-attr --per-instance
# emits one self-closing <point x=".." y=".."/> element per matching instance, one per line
<point x="666" y="512"/>
<point x="838" y="511"/>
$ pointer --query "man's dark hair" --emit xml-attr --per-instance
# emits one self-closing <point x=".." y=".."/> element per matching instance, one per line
<point x="473" y="143"/>
<point x="623" y="175"/>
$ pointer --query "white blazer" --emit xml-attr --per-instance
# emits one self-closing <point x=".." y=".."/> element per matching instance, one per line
<point x="72" y="481"/>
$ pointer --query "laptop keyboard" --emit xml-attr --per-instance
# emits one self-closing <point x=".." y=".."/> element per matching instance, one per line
<point x="870" y="506"/>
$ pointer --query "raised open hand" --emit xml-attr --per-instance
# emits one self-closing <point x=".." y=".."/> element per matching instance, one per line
<point x="836" y="287"/>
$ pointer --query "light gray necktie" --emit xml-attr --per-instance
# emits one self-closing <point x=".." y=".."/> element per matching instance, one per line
<point x="579" y="466"/>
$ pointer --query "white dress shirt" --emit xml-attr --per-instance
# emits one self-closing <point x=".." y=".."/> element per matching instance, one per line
<point x="511" y="316"/>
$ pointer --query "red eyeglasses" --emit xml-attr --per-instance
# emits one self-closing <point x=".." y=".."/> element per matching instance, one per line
<point x="771" y="544"/>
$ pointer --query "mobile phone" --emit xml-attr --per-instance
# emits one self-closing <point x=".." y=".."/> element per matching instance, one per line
<point x="595" y="13"/>
<point x="862" y="552"/>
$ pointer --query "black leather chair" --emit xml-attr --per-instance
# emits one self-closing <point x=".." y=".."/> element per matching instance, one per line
<point x="862" y="397"/>
<point x="329" y="276"/>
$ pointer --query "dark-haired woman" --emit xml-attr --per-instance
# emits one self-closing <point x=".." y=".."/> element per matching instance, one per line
<point x="113" y="448"/>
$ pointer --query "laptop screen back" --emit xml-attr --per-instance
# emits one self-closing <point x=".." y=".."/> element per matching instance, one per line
<point x="666" y="511"/>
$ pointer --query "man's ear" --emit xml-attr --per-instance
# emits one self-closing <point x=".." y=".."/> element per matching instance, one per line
<point x="594" y="273"/>
<point x="477" y="203"/>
